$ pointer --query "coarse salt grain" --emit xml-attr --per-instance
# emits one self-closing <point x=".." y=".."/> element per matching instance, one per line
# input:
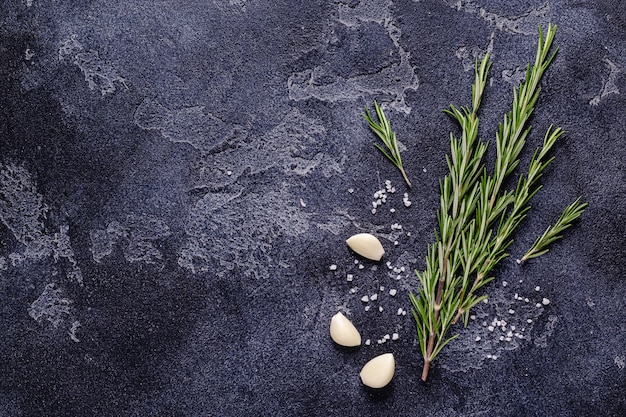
<point x="380" y="309"/>
<point x="393" y="292"/>
<point x="537" y="288"/>
<point x="349" y="277"/>
<point x="399" y="313"/>
<point x="368" y="342"/>
<point x="374" y="297"/>
<point x="333" y="267"/>
<point x="365" y="298"/>
<point x="545" y="301"/>
<point x="395" y="336"/>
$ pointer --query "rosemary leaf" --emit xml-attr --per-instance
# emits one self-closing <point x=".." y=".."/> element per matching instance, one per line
<point x="477" y="217"/>
<point x="553" y="233"/>
<point x="387" y="137"/>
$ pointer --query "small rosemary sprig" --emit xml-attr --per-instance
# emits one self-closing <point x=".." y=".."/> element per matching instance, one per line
<point x="477" y="216"/>
<point x="553" y="233"/>
<point x="388" y="137"/>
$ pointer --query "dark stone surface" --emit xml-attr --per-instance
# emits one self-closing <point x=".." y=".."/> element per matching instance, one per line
<point x="174" y="182"/>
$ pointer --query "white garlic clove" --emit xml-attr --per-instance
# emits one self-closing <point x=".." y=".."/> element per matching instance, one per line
<point x="379" y="371"/>
<point x="366" y="245"/>
<point x="343" y="332"/>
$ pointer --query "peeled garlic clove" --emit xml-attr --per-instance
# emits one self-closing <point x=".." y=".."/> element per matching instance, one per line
<point x="378" y="372"/>
<point x="343" y="332"/>
<point x="366" y="245"/>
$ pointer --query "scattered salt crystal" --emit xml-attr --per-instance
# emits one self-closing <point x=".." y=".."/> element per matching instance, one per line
<point x="509" y="334"/>
<point x="485" y="301"/>
<point x="529" y="321"/>
<point x="490" y="328"/>
<point x="351" y="190"/>
<point x="526" y="300"/>
<point x="402" y="269"/>
<point x="382" y="288"/>
<point x="392" y="210"/>
<point x="502" y="338"/>
<point x="367" y="308"/>
<point x="374" y="297"/>
<point x="504" y="283"/>
<point x="537" y="288"/>
<point x="399" y="313"/>
<point x="387" y="337"/>
<point x="361" y="266"/>
<point x="229" y="172"/>
<point x="395" y="243"/>
<point x="545" y="301"/>
<point x="395" y="336"/>
<point x="393" y="292"/>
<point x="349" y="277"/>
<point x="511" y="311"/>
<point x="373" y="211"/>
<point x="365" y="298"/>
<point x="356" y="261"/>
<point x="538" y="305"/>
<point x="380" y="309"/>
<point x="512" y="327"/>
<point x="398" y="277"/>
<point x="368" y="342"/>
<point x="494" y="357"/>
<point x="472" y="317"/>
<point x="478" y="338"/>
<point x="403" y="312"/>
<point x="352" y="290"/>
<point x="507" y="339"/>
<point x="488" y="356"/>
<point x="333" y="267"/>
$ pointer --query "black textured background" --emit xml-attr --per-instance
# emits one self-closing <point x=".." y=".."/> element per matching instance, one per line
<point x="178" y="177"/>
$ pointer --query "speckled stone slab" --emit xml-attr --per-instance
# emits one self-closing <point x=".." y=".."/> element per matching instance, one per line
<point x="178" y="179"/>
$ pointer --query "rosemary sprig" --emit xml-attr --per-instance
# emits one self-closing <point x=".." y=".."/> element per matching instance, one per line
<point x="553" y="233"/>
<point x="477" y="216"/>
<point x="388" y="137"/>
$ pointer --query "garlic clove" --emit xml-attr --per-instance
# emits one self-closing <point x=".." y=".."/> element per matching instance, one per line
<point x="343" y="332"/>
<point x="379" y="371"/>
<point x="366" y="245"/>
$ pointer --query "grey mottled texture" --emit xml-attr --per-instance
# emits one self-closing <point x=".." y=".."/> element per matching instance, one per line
<point x="178" y="177"/>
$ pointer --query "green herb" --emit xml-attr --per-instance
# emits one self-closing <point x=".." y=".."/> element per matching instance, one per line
<point x="552" y="233"/>
<point x="388" y="137"/>
<point x="477" y="216"/>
